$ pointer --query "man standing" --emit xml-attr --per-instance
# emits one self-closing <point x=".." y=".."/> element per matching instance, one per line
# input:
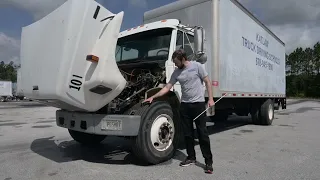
<point x="191" y="75"/>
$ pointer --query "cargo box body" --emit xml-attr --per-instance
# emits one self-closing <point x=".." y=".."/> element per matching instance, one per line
<point x="245" y="59"/>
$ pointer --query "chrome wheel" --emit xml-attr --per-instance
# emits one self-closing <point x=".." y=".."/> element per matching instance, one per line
<point x="270" y="113"/>
<point x="162" y="132"/>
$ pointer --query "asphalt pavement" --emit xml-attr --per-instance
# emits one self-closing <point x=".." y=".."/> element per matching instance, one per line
<point x="33" y="147"/>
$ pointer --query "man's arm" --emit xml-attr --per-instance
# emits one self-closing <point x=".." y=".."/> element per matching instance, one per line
<point x="204" y="75"/>
<point x="209" y="87"/>
<point x="163" y="91"/>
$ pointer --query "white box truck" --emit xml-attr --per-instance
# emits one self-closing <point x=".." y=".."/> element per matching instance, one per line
<point x="76" y="59"/>
<point x="5" y="90"/>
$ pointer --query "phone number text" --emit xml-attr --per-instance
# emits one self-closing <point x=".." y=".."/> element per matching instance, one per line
<point x="264" y="64"/>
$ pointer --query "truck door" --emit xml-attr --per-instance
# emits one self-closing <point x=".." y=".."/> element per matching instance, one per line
<point x="184" y="41"/>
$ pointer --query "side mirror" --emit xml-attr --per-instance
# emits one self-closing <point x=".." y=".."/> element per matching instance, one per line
<point x="199" y="38"/>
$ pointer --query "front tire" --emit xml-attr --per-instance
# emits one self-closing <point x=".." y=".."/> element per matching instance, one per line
<point x="158" y="135"/>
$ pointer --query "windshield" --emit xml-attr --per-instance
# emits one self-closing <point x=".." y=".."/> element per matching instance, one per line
<point x="148" y="45"/>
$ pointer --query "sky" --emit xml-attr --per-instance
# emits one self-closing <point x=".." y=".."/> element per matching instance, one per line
<point x="296" y="22"/>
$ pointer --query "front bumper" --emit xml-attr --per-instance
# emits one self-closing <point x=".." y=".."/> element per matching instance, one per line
<point x="102" y="124"/>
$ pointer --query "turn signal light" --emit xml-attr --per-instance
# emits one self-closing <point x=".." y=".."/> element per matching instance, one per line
<point x="92" y="58"/>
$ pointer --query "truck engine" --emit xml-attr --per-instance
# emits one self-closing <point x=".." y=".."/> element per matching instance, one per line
<point x="139" y="80"/>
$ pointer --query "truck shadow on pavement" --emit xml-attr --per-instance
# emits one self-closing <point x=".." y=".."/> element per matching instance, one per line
<point x="112" y="150"/>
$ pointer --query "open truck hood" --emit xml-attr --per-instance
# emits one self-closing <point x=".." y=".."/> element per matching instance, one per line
<point x="54" y="53"/>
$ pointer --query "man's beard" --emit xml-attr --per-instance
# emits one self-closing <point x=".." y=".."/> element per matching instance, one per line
<point x="182" y="66"/>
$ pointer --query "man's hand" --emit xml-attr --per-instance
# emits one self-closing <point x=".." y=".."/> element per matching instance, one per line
<point x="211" y="103"/>
<point x="162" y="92"/>
<point x="150" y="99"/>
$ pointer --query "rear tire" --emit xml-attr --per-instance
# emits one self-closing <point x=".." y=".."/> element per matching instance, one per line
<point x="264" y="114"/>
<point x="85" y="138"/>
<point x="267" y="112"/>
<point x="158" y="136"/>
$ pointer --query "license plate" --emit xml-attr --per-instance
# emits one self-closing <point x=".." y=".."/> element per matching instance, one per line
<point x="115" y="125"/>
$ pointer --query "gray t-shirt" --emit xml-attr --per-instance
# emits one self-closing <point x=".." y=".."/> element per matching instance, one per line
<point x="191" y="81"/>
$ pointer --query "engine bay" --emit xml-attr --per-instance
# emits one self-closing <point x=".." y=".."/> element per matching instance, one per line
<point x="140" y="77"/>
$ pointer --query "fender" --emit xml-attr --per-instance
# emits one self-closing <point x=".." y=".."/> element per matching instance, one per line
<point x="172" y="96"/>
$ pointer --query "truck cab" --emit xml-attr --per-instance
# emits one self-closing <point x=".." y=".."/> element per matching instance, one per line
<point x="154" y="43"/>
<point x="143" y="56"/>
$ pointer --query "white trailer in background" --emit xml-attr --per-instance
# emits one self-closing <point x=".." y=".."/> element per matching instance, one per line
<point x="98" y="77"/>
<point x="5" y="90"/>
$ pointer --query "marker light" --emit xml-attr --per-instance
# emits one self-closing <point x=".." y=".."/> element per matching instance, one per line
<point x="92" y="58"/>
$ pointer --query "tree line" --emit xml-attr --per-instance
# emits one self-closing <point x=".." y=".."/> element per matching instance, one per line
<point x="302" y="72"/>
<point x="8" y="72"/>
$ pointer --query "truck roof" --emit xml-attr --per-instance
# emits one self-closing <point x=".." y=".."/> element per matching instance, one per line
<point x="177" y="5"/>
<point x="170" y="23"/>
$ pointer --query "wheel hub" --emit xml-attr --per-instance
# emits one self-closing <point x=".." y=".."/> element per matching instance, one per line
<point x="165" y="132"/>
<point x="270" y="113"/>
<point x="162" y="132"/>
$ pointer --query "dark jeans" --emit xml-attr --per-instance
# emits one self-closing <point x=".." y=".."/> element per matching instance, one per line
<point x="188" y="111"/>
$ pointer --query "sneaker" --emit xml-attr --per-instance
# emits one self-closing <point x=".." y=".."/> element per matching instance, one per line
<point x="208" y="169"/>
<point x="187" y="162"/>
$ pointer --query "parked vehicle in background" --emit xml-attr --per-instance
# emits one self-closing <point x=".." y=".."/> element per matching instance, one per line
<point x="5" y="91"/>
